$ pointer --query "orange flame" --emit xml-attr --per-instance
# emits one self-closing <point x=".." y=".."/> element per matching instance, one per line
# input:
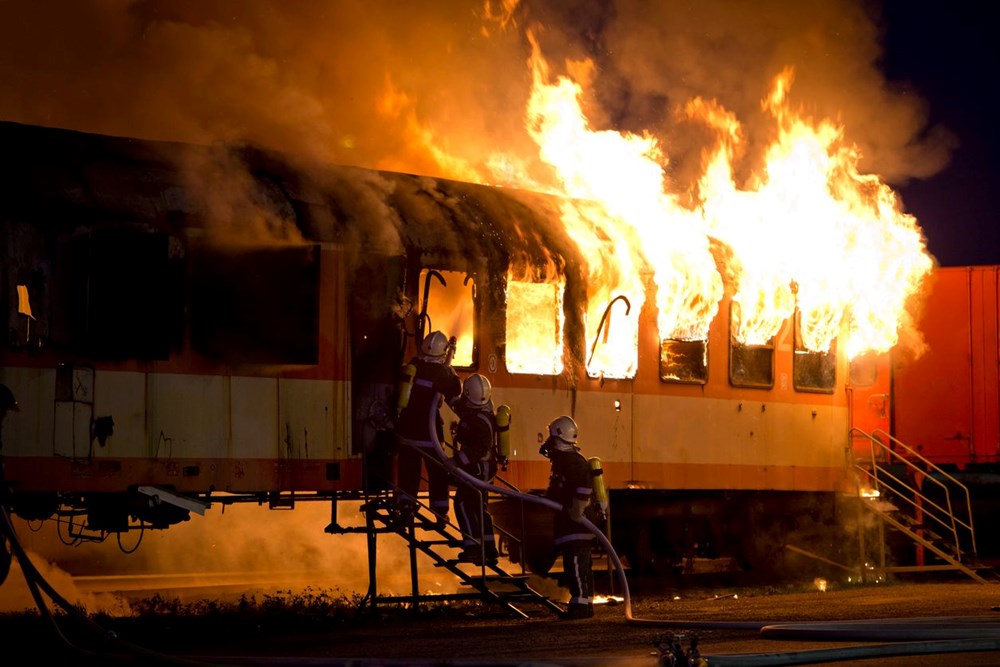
<point x="809" y="233"/>
<point x="812" y="233"/>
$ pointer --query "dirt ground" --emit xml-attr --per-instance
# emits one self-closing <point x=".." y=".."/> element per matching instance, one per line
<point x="765" y="626"/>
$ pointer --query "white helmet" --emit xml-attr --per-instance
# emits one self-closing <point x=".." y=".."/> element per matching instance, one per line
<point x="477" y="390"/>
<point x="434" y="347"/>
<point x="564" y="429"/>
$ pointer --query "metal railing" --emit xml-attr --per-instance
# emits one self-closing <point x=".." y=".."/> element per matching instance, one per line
<point x="938" y="508"/>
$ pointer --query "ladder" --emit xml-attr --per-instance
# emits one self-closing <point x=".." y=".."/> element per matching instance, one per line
<point x="912" y="495"/>
<point x="438" y="540"/>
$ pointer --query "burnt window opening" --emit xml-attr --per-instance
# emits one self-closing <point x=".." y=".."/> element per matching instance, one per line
<point x="257" y="305"/>
<point x="119" y="294"/>
<point x="864" y="370"/>
<point x="812" y="371"/>
<point x="26" y="285"/>
<point x="447" y="303"/>
<point x="749" y="365"/>
<point x="534" y="327"/>
<point x="684" y="361"/>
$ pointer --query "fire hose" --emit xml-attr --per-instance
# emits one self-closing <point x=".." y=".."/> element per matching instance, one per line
<point x="112" y="647"/>
<point x="954" y="637"/>
<point x="908" y="636"/>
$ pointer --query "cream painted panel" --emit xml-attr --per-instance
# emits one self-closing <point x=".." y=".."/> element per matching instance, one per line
<point x="72" y="430"/>
<point x="188" y="416"/>
<point x="308" y="411"/>
<point x="254" y="417"/>
<point x="30" y="432"/>
<point x="715" y="431"/>
<point x="122" y="396"/>
<point x="604" y="432"/>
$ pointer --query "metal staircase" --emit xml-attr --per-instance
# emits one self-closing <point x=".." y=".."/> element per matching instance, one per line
<point x="918" y="499"/>
<point x="439" y="542"/>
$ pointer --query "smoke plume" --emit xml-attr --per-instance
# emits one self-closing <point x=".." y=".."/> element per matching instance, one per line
<point x="439" y="88"/>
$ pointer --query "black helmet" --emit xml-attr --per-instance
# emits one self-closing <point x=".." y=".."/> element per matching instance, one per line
<point x="7" y="400"/>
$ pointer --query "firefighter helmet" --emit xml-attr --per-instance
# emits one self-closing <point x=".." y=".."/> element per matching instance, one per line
<point x="7" y="400"/>
<point x="564" y="429"/>
<point x="477" y="390"/>
<point x="434" y="347"/>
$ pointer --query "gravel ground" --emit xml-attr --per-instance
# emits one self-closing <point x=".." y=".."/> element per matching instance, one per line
<point x="725" y="621"/>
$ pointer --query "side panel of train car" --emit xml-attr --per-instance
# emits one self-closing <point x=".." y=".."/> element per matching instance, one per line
<point x="946" y="402"/>
<point x="159" y="337"/>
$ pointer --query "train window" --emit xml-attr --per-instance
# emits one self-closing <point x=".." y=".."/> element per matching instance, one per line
<point x="534" y="341"/>
<point x="864" y="370"/>
<point x="256" y="304"/>
<point x="118" y="294"/>
<point x="750" y="365"/>
<point x="614" y="344"/>
<point x="447" y="304"/>
<point x="684" y="361"/>
<point x="813" y="371"/>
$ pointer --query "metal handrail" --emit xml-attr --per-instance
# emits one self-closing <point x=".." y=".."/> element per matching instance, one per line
<point x="520" y="543"/>
<point x="901" y="453"/>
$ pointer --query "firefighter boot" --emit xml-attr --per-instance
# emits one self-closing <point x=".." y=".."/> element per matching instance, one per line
<point x="576" y="610"/>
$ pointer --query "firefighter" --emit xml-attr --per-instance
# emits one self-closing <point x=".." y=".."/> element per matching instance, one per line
<point x="570" y="486"/>
<point x="432" y="381"/>
<point x="475" y="438"/>
<point x="7" y="404"/>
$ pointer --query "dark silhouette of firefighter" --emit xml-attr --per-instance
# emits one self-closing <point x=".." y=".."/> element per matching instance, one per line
<point x="7" y="404"/>
<point x="478" y="455"/>
<point x="570" y="485"/>
<point x="428" y="380"/>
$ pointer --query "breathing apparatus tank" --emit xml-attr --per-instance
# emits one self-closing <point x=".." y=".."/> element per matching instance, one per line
<point x="503" y="435"/>
<point x="450" y="353"/>
<point x="597" y="482"/>
<point x="405" y="387"/>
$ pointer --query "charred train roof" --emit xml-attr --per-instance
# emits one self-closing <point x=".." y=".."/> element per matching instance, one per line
<point x="65" y="180"/>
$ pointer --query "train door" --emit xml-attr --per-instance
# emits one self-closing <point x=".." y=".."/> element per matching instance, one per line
<point x="377" y="338"/>
<point x="869" y="395"/>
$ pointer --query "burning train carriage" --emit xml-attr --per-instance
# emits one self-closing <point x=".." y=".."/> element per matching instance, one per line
<point x="186" y="322"/>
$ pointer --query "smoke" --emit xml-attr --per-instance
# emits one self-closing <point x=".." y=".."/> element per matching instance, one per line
<point x="439" y="88"/>
<point x="16" y="597"/>
<point x="228" y="552"/>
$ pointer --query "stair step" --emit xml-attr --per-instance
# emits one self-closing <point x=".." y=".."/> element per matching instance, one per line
<point x="447" y="542"/>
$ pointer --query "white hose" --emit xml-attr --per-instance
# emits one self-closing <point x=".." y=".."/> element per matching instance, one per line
<point x="955" y="636"/>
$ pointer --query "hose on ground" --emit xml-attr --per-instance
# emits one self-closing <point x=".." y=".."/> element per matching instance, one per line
<point x="114" y="648"/>
<point x="959" y="637"/>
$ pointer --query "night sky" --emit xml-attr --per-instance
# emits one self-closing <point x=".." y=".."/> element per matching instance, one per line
<point x="949" y="53"/>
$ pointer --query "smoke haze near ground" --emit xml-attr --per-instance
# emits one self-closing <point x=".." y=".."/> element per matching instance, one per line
<point x="437" y="88"/>
<point x="265" y="551"/>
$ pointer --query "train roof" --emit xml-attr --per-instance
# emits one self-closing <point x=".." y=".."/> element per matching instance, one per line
<point x="65" y="180"/>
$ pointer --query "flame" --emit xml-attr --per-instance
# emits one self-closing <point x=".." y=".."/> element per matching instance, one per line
<point x="811" y="232"/>
<point x="627" y="227"/>
<point x="808" y="236"/>
<point x="534" y="342"/>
